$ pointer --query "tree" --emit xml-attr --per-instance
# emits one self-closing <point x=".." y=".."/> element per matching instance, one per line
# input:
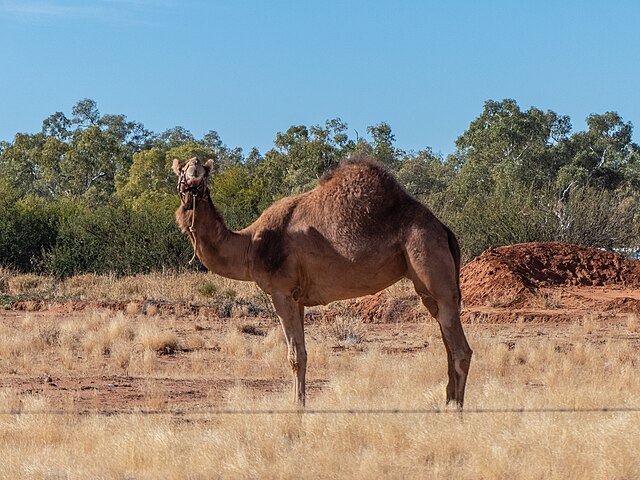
<point x="424" y="173"/>
<point x="174" y="137"/>
<point x="57" y="126"/>
<point x="85" y="113"/>
<point x="223" y="155"/>
<point x="84" y="156"/>
<point x="383" y="140"/>
<point x="234" y="194"/>
<point x="20" y="163"/>
<point x="506" y="140"/>
<point x="303" y="155"/>
<point x="150" y="179"/>
<point x="604" y="156"/>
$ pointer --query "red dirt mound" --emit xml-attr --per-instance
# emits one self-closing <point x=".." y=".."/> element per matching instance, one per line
<point x="512" y="274"/>
<point x="383" y="308"/>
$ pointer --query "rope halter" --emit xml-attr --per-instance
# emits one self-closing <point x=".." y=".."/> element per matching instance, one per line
<point x="196" y="191"/>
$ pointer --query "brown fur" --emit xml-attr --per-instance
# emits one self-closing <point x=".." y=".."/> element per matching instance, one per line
<point x="354" y="234"/>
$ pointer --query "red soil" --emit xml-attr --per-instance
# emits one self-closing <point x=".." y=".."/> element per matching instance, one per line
<point x="513" y="274"/>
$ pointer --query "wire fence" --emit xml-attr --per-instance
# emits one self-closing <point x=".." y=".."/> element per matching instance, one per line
<point x="341" y="412"/>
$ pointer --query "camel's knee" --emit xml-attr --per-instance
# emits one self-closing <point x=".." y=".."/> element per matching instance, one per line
<point x="297" y="359"/>
<point x="446" y="305"/>
<point x="462" y="361"/>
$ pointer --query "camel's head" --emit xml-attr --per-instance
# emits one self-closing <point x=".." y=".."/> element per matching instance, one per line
<point x="192" y="177"/>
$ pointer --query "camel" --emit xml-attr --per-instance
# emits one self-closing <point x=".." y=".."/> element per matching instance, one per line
<point x="356" y="233"/>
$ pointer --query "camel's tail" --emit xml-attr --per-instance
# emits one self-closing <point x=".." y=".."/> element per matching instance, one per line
<point x="454" y="247"/>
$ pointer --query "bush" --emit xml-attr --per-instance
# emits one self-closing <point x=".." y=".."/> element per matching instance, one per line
<point x="510" y="214"/>
<point x="27" y="231"/>
<point x="117" y="238"/>
<point x="600" y="218"/>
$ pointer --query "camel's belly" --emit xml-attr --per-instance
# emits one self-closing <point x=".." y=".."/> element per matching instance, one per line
<point x="322" y="277"/>
<point x="342" y="287"/>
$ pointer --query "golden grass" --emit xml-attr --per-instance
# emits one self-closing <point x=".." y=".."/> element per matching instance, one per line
<point x="169" y="286"/>
<point x="346" y="330"/>
<point x="575" y="366"/>
<point x="526" y="372"/>
<point x="499" y="301"/>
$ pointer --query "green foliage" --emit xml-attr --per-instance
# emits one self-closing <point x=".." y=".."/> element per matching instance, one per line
<point x="523" y="178"/>
<point x="207" y="289"/>
<point x="117" y="238"/>
<point x="510" y="213"/>
<point x="95" y="193"/>
<point x="27" y="229"/>
<point x="233" y="194"/>
<point x="19" y="163"/>
<point x="304" y="154"/>
<point x="600" y="218"/>
<point x="150" y="176"/>
<point x="604" y="156"/>
<point x="383" y="140"/>
<point x="507" y="141"/>
<point x="424" y="173"/>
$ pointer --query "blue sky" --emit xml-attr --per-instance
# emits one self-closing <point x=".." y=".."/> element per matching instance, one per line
<point x="250" y="68"/>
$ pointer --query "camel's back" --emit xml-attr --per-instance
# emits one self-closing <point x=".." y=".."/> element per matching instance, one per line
<point x="359" y="199"/>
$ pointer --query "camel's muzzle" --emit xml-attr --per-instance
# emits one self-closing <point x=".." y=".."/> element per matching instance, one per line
<point x="186" y="186"/>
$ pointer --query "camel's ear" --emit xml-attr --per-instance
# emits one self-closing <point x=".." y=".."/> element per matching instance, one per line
<point x="176" y="166"/>
<point x="208" y="166"/>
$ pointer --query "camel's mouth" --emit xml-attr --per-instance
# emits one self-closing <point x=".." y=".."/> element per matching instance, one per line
<point x="193" y="173"/>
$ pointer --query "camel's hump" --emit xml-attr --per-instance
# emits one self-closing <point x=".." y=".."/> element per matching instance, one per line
<point x="360" y="199"/>
<point x="360" y="169"/>
<point x="361" y="184"/>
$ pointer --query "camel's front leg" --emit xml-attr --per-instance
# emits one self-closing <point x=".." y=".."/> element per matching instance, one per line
<point x="291" y="315"/>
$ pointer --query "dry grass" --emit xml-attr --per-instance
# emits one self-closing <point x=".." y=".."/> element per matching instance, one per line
<point x="547" y="300"/>
<point x="171" y="286"/>
<point x="111" y="342"/>
<point x="514" y="367"/>
<point x="527" y="372"/>
<point x="346" y="330"/>
<point x="546" y="445"/>
<point x="499" y="301"/>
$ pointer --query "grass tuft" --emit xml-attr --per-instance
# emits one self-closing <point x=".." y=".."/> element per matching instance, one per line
<point x="207" y="289"/>
<point x="250" y="329"/>
<point x="547" y="300"/>
<point x="347" y="330"/>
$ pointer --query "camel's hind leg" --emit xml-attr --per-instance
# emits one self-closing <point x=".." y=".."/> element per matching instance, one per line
<point x="291" y="315"/>
<point x="434" y="278"/>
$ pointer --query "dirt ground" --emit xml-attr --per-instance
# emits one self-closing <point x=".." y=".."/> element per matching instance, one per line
<point x="509" y="293"/>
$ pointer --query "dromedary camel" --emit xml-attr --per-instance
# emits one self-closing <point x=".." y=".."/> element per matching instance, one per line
<point x="354" y="234"/>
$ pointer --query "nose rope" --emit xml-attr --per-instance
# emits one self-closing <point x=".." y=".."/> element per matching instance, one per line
<point x="193" y="230"/>
<point x="194" y="195"/>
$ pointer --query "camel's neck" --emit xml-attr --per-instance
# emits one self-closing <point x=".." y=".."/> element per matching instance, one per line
<point x="219" y="249"/>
